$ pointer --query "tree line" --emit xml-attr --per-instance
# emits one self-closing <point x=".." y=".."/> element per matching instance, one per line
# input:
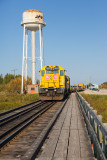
<point x="7" y="78"/>
<point x="12" y="83"/>
<point x="104" y="85"/>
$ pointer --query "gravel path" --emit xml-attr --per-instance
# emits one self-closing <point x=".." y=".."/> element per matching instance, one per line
<point x="100" y="92"/>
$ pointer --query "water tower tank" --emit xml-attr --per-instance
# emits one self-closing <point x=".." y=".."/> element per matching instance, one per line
<point x="32" y="19"/>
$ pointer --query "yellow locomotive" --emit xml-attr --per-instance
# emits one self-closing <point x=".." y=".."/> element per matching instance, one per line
<point x="54" y="84"/>
<point x="81" y="87"/>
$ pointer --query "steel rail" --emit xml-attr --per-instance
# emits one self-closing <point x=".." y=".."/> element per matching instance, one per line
<point x="36" y="146"/>
<point x="20" y="123"/>
<point x="18" y="114"/>
<point x="37" y="115"/>
<point x="15" y="109"/>
<point x="100" y="150"/>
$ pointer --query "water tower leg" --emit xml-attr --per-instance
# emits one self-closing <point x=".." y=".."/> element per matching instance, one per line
<point x="33" y="57"/>
<point x="40" y="36"/>
<point x="26" y="54"/>
<point x="26" y="43"/>
<point x="23" y="58"/>
<point x="42" y="50"/>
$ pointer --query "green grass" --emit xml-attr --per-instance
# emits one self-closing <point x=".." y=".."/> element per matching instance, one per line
<point x="99" y="103"/>
<point x="12" y="100"/>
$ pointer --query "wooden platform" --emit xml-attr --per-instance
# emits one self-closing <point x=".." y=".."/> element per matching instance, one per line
<point x="68" y="139"/>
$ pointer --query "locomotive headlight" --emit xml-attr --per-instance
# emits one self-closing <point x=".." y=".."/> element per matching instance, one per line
<point x="55" y="76"/>
<point x="55" y="90"/>
<point x="46" y="90"/>
<point x="47" y="76"/>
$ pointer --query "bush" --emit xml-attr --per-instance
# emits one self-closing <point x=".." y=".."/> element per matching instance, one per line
<point x="1" y="79"/>
<point x="14" y="85"/>
<point x="3" y="87"/>
<point x="104" y="85"/>
<point x="8" y="78"/>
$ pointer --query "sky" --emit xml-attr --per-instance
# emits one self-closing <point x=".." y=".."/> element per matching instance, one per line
<point x="75" y="37"/>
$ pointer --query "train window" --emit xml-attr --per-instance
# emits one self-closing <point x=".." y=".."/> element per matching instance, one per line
<point x="49" y="72"/>
<point x="61" y="73"/>
<point x="55" y="71"/>
<point x="52" y="72"/>
<point x="42" y="73"/>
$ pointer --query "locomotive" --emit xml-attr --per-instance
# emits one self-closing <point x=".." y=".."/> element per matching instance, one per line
<point x="54" y="84"/>
<point x="81" y="87"/>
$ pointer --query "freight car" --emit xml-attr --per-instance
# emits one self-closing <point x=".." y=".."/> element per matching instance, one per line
<point x="54" y="84"/>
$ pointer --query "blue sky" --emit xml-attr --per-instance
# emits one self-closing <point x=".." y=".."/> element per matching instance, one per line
<point x="75" y="36"/>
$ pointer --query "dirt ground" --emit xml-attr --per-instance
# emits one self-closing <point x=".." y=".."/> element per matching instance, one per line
<point x="100" y="92"/>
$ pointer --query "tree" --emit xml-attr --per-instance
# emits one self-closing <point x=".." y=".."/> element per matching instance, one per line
<point x="8" y="78"/>
<point x="104" y="85"/>
<point x="14" y="85"/>
<point x="29" y="80"/>
<point x="18" y="76"/>
<point x="1" y="79"/>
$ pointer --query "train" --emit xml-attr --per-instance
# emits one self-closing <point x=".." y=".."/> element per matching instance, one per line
<point x="74" y="88"/>
<point x="54" y="84"/>
<point x="81" y="87"/>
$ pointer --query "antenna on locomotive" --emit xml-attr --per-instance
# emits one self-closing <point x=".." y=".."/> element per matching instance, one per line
<point x="33" y="20"/>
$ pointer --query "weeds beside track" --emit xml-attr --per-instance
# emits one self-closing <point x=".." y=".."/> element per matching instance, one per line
<point x="99" y="103"/>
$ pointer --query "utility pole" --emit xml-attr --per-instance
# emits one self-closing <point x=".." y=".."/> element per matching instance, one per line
<point x="14" y="70"/>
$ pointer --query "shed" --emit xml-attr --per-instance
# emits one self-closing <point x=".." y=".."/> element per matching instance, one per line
<point x="32" y="89"/>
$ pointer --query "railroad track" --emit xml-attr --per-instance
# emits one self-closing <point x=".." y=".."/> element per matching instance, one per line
<point x="16" y="122"/>
<point x="18" y="109"/>
<point x="32" y="121"/>
<point x="12" y="116"/>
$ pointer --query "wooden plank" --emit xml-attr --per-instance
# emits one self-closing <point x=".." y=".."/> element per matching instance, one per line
<point x="74" y="148"/>
<point x="61" y="149"/>
<point x="73" y="142"/>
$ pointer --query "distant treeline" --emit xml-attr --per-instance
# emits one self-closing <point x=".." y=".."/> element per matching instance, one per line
<point x="7" y="78"/>
<point x="104" y="85"/>
<point x="11" y="83"/>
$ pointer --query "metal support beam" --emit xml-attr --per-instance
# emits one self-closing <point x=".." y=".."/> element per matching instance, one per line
<point x="33" y="57"/>
<point x="42" y="50"/>
<point x="26" y="59"/>
<point x="23" y="59"/>
<point x="41" y="46"/>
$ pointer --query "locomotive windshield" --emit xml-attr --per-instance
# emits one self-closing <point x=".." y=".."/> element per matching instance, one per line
<point x="52" y="72"/>
<point x="55" y="71"/>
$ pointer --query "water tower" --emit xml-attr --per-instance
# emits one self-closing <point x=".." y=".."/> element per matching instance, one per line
<point x="32" y="21"/>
